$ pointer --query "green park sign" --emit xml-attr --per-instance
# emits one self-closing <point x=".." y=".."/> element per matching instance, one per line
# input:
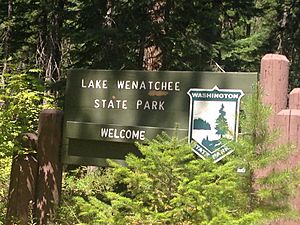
<point x="106" y="112"/>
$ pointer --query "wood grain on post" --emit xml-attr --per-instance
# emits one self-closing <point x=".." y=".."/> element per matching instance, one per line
<point x="294" y="135"/>
<point x="288" y="121"/>
<point x="21" y="194"/>
<point x="50" y="172"/>
<point x="294" y="124"/>
<point x="274" y="75"/>
<point x="283" y="120"/>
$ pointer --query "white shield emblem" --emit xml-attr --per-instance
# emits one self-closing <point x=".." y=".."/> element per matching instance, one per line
<point x="213" y="116"/>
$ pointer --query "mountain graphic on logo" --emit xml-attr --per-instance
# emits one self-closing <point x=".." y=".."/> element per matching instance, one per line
<point x="201" y="124"/>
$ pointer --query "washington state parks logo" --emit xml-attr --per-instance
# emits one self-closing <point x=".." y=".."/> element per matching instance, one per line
<point x="213" y="117"/>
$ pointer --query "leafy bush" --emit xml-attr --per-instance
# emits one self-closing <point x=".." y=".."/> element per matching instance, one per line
<point x="23" y="95"/>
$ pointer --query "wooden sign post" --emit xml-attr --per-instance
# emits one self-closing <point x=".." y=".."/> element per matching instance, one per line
<point x="48" y="185"/>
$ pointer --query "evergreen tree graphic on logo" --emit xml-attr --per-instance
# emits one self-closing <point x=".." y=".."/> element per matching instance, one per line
<point x="213" y="118"/>
<point x="221" y="122"/>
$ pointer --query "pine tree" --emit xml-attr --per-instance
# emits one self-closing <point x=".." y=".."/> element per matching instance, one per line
<point x="221" y="122"/>
<point x="256" y="149"/>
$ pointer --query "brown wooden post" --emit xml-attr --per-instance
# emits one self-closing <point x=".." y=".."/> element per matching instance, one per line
<point x="274" y="75"/>
<point x="292" y="135"/>
<point x="50" y="170"/>
<point x="288" y="121"/>
<point x="21" y="195"/>
<point x="283" y="122"/>
<point x="294" y="99"/>
<point x="293" y="126"/>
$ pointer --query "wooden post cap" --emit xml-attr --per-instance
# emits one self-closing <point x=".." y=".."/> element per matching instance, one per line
<point x="275" y="57"/>
<point x="51" y="111"/>
<point x="274" y="78"/>
<point x="294" y="99"/>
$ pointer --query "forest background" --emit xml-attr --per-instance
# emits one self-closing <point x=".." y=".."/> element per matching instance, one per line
<point x="40" y="40"/>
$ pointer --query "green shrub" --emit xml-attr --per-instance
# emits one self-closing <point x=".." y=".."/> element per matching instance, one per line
<point x="170" y="185"/>
<point x="24" y="97"/>
<point x="83" y="197"/>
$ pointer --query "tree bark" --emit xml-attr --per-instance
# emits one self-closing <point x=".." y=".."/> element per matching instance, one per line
<point x="152" y="52"/>
<point x="8" y="29"/>
<point x="7" y="37"/>
<point x="49" y="54"/>
<point x="49" y="178"/>
<point x="21" y="195"/>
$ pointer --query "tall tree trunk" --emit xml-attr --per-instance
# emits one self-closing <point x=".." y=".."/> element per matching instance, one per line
<point x="8" y="29"/>
<point x="108" y="17"/>
<point x="7" y="37"/>
<point x="152" y="52"/>
<point x="49" y="54"/>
